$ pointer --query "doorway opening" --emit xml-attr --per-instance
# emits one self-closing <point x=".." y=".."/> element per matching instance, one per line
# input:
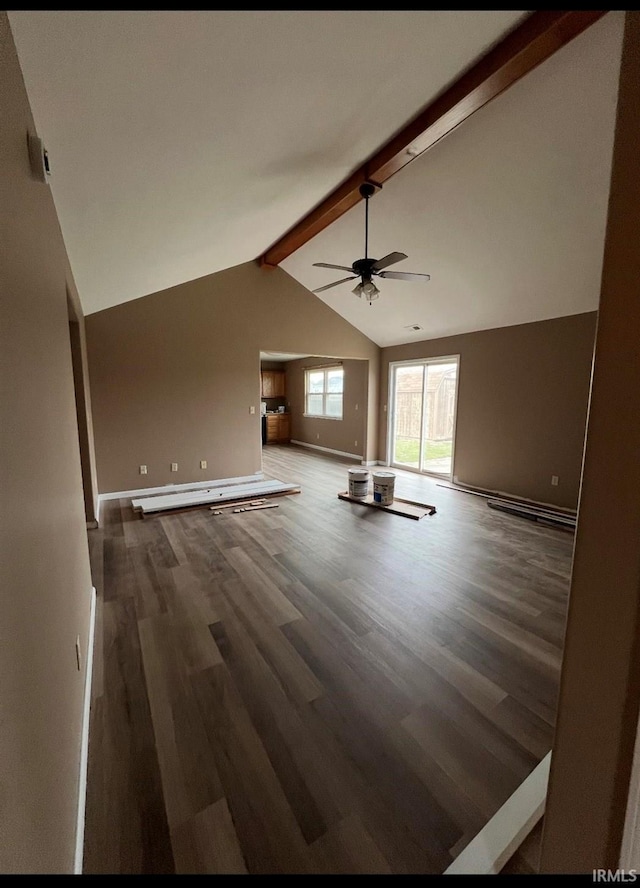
<point x="422" y="421"/>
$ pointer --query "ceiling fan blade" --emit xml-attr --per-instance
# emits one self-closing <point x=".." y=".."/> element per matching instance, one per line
<point x="390" y="259"/>
<point x="404" y="276"/>
<point x="335" y="284"/>
<point x="338" y="267"/>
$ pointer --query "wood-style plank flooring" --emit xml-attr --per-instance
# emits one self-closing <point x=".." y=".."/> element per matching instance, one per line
<point x="317" y="688"/>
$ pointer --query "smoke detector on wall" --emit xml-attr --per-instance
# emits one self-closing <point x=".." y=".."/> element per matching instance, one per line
<point x="38" y="158"/>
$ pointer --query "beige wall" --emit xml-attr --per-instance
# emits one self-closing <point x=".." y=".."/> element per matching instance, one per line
<point x="173" y="374"/>
<point x="600" y="680"/>
<point x="522" y="404"/>
<point x="348" y="434"/>
<point x="45" y="581"/>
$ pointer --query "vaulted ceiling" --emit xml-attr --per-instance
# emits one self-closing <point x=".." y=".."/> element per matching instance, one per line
<point x="183" y="143"/>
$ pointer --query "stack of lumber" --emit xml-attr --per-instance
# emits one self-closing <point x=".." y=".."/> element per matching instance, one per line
<point x="214" y="495"/>
<point x="408" y="508"/>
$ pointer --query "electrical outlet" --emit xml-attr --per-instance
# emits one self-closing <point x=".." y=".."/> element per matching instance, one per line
<point x="355" y="443"/>
<point x="203" y="464"/>
<point x="318" y="436"/>
<point x="78" y="654"/>
<point x="252" y="410"/>
<point x="174" y="467"/>
<point x="554" y="480"/>
<point x="143" y="470"/>
<point x="356" y="406"/>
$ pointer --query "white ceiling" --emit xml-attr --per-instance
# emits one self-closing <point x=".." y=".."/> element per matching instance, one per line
<point x="183" y="143"/>
<point x="507" y="213"/>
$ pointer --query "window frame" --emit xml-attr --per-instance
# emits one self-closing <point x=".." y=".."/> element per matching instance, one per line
<point x="324" y="370"/>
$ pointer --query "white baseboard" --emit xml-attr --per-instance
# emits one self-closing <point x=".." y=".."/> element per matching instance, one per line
<point x="176" y="488"/>
<point x="327" y="449"/>
<point x="487" y="853"/>
<point x="369" y="462"/>
<point x="84" y="744"/>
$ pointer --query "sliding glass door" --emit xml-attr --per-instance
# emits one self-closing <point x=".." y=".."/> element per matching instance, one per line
<point x="423" y="415"/>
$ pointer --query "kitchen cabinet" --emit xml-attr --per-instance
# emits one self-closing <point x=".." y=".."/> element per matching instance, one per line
<point x="278" y="428"/>
<point x="273" y="383"/>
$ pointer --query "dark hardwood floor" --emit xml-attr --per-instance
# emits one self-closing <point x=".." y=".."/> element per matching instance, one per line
<point x="317" y="688"/>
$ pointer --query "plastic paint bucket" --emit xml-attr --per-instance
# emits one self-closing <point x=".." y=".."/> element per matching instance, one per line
<point x="383" y="486"/>
<point x="358" y="482"/>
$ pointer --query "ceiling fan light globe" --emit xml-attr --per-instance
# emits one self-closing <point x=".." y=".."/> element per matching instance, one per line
<point x="370" y="291"/>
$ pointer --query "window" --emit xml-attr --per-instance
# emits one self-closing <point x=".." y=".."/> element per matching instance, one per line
<point x="323" y="392"/>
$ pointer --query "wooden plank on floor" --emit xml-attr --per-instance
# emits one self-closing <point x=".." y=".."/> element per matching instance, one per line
<point x="280" y="608"/>
<point x="484" y="777"/>
<point x="408" y="508"/>
<point x="129" y="810"/>
<point x="201" y="498"/>
<point x="207" y="843"/>
<point x="176" y="799"/>
<point x="549" y="655"/>
<point x="189" y="775"/>
<point x="310" y="789"/>
<point x="294" y="675"/>
<point x="347" y="848"/>
<point x="266" y="827"/>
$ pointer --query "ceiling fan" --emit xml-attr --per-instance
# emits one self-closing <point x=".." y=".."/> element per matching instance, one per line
<point x="366" y="268"/>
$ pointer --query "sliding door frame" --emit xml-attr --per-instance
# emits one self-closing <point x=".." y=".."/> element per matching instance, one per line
<point x="391" y="412"/>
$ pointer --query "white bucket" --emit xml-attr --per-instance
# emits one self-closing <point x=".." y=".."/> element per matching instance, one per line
<point x="383" y="485"/>
<point x="358" y="482"/>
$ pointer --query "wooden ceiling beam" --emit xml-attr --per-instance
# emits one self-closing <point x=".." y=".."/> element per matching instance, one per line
<point x="539" y="36"/>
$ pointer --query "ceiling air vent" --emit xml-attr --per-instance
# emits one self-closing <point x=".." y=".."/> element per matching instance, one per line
<point x="413" y="327"/>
